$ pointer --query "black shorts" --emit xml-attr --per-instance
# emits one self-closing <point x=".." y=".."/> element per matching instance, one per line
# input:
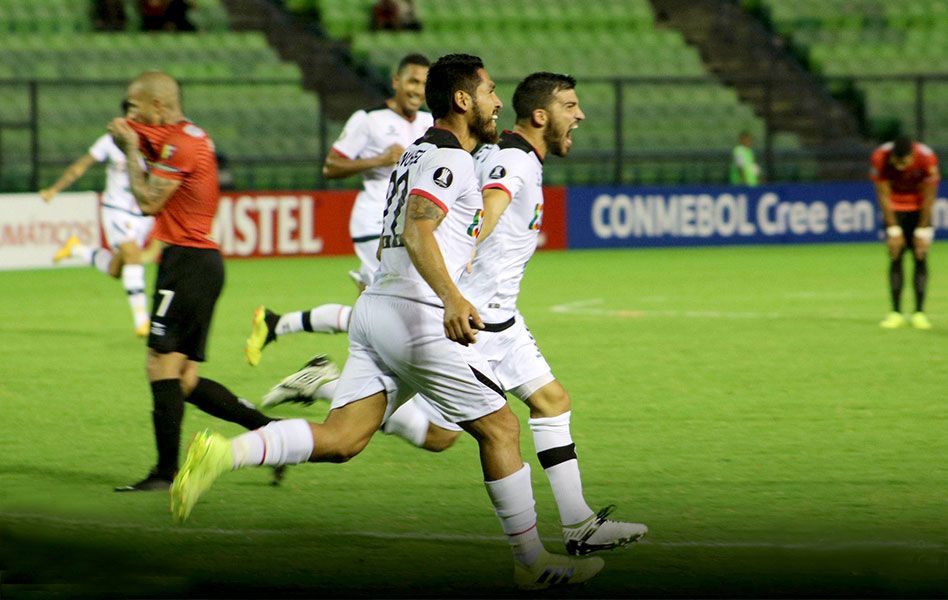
<point x="908" y="221"/>
<point x="187" y="287"/>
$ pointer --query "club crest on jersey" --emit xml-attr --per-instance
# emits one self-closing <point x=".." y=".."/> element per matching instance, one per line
<point x="498" y="172"/>
<point x="167" y="151"/>
<point x="443" y="177"/>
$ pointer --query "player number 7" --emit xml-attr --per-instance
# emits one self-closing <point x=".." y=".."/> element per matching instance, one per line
<point x="166" y="296"/>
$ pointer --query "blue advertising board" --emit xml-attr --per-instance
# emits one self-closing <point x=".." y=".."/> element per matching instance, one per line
<point x="621" y="217"/>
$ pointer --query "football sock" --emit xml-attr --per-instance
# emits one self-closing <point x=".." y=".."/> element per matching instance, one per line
<point x="218" y="401"/>
<point x="133" y="278"/>
<point x="99" y="258"/>
<point x="327" y="390"/>
<point x="286" y="442"/>
<point x="168" y="409"/>
<point x="557" y="454"/>
<point x="921" y="283"/>
<point x="328" y="318"/>
<point x="895" y="283"/>
<point x="408" y="422"/>
<point x="512" y="498"/>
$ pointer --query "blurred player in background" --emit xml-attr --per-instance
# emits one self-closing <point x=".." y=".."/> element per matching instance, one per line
<point x="411" y="332"/>
<point x="510" y="177"/>
<point x="126" y="228"/>
<point x="371" y="143"/>
<point x="181" y="189"/>
<point x="905" y="173"/>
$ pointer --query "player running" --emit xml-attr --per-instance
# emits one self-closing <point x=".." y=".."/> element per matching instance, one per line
<point x="412" y="331"/>
<point x="906" y="178"/>
<point x="511" y="175"/>
<point x="371" y="143"/>
<point x="126" y="228"/>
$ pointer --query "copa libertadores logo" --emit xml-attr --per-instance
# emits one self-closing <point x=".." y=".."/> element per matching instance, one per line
<point x="443" y="177"/>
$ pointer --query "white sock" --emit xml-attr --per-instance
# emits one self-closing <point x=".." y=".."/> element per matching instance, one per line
<point x="327" y="390"/>
<point x="328" y="318"/>
<point x="287" y="442"/>
<point x="512" y="498"/>
<point x="408" y="422"/>
<point x="133" y="278"/>
<point x="83" y="252"/>
<point x="557" y="454"/>
<point x="100" y="259"/>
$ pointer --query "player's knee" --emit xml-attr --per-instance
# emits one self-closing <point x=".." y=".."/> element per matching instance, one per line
<point x="438" y="439"/>
<point x="501" y="427"/>
<point x="551" y="400"/>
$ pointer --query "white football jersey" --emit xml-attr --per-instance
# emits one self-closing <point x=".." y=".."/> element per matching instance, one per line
<point x="118" y="193"/>
<point x="436" y="167"/>
<point x="368" y="133"/>
<point x="493" y="284"/>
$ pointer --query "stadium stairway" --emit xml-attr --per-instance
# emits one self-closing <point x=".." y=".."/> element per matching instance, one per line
<point x="738" y="49"/>
<point x="320" y="58"/>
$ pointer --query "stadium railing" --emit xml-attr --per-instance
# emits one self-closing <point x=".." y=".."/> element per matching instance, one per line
<point x="627" y="139"/>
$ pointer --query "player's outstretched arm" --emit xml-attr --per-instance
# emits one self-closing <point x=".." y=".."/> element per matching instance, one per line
<point x="69" y="176"/>
<point x="338" y="166"/>
<point x="422" y="217"/>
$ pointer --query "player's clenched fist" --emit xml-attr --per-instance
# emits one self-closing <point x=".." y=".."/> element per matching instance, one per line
<point x="461" y="321"/>
<point x="125" y="137"/>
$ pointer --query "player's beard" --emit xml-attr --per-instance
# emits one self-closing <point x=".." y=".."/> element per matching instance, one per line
<point x="555" y="139"/>
<point x="484" y="127"/>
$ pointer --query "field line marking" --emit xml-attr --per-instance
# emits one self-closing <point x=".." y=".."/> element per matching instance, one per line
<point x="458" y="537"/>
<point x="591" y="308"/>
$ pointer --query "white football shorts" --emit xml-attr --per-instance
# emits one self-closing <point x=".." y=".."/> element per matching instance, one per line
<point x="399" y="346"/>
<point x="121" y="226"/>
<point x="516" y="359"/>
<point x="368" y="263"/>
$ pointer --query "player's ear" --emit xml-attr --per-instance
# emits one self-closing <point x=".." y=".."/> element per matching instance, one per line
<point x="462" y="100"/>
<point x="539" y="117"/>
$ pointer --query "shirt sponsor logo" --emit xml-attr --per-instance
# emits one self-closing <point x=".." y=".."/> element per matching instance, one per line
<point x="194" y="131"/>
<point x="443" y="177"/>
<point x="167" y="151"/>
<point x="498" y="172"/>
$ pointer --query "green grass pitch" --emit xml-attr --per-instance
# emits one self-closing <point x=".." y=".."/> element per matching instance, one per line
<point x="742" y="402"/>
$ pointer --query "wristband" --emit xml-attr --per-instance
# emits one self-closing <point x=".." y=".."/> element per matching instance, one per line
<point x="893" y="231"/>
<point x="926" y="234"/>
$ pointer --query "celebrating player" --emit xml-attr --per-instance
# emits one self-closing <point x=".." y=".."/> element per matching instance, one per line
<point x="412" y="331"/>
<point x="548" y="110"/>
<point x="371" y="143"/>
<point x="126" y="228"/>
<point x="181" y="189"/>
<point x="906" y="178"/>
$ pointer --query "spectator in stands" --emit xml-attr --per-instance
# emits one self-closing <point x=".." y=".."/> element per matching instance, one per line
<point x="744" y="168"/>
<point x="165" y="15"/>
<point x="395" y="15"/>
<point x="108" y="15"/>
<point x="906" y="176"/>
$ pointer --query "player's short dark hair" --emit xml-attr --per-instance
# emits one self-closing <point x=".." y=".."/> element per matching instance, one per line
<point x="537" y="91"/>
<point x="449" y="74"/>
<point x="419" y="60"/>
<point x="902" y="146"/>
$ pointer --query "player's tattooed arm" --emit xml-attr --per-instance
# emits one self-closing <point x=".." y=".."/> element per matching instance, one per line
<point x="151" y="192"/>
<point x="422" y="217"/>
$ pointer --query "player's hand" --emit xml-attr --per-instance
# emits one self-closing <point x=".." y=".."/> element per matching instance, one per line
<point x="922" y="241"/>
<point x="125" y="137"/>
<point x="461" y="321"/>
<point x="896" y="244"/>
<point x="391" y="154"/>
<point x="47" y="195"/>
<point x="470" y="263"/>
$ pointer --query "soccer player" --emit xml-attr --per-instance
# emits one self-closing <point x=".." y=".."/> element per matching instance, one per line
<point x="412" y="331"/>
<point x="547" y="109"/>
<point x="126" y="228"/>
<point x="371" y="143"/>
<point x="906" y="177"/>
<point x="181" y="190"/>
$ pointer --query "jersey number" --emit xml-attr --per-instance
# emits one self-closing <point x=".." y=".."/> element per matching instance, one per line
<point x="395" y="203"/>
<point x="166" y="296"/>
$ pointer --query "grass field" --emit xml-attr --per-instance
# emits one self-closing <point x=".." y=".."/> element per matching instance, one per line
<point x="741" y="402"/>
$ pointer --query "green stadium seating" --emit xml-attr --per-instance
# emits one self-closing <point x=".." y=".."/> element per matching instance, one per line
<point x="853" y="38"/>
